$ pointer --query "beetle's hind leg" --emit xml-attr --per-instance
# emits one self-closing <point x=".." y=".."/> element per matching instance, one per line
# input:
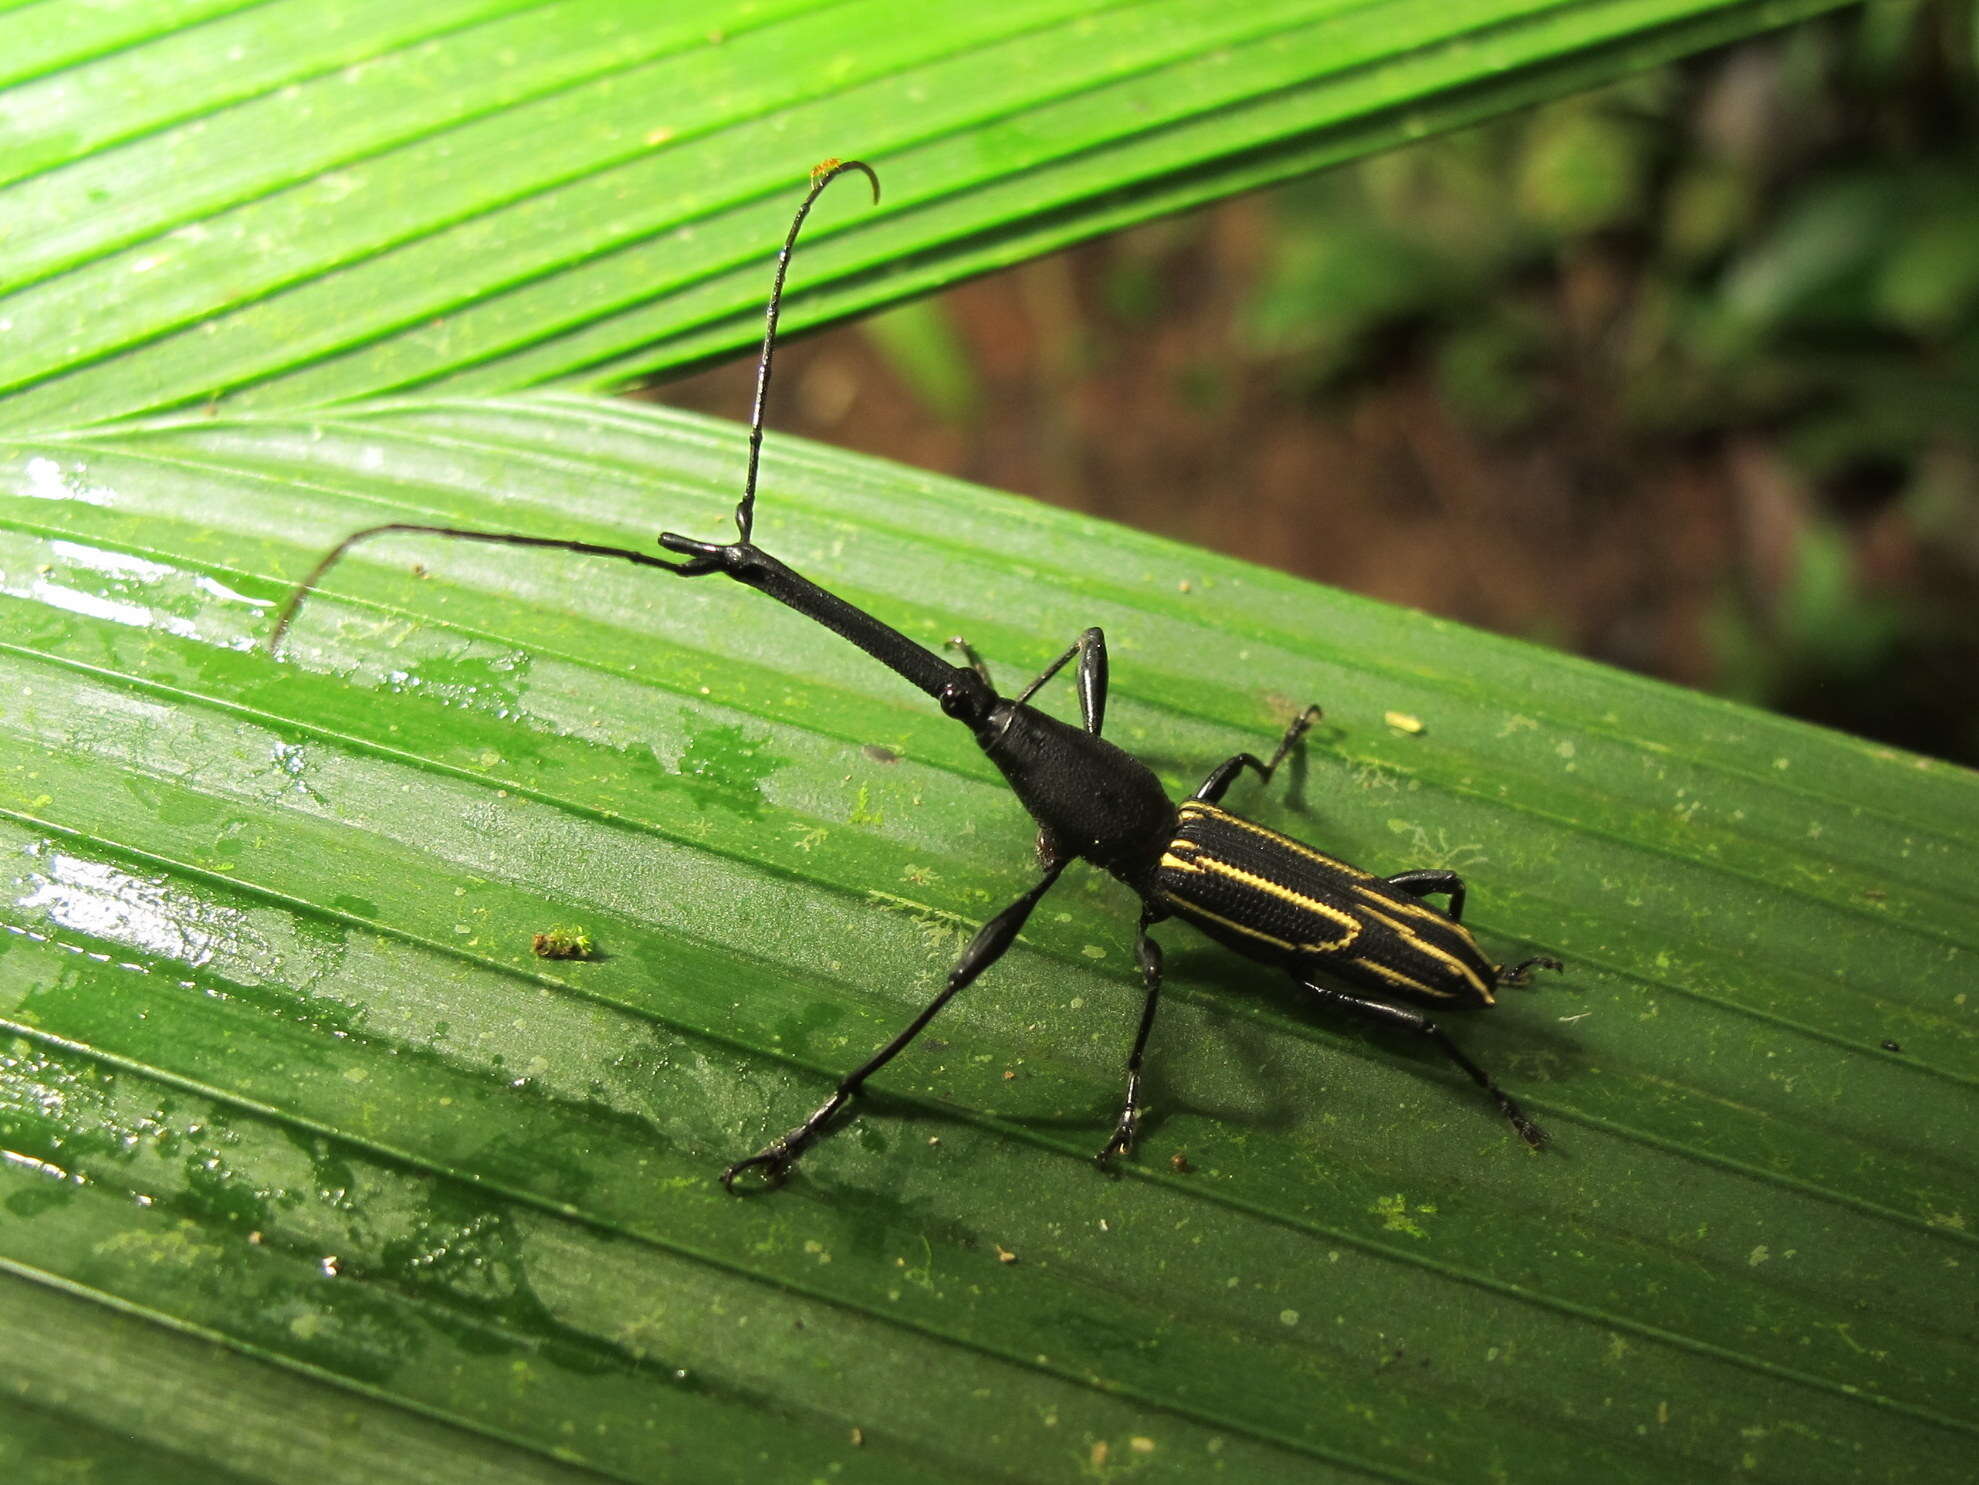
<point x="1225" y="773"/>
<point x="1518" y="974"/>
<point x="1380" y="1013"/>
<point x="1431" y="882"/>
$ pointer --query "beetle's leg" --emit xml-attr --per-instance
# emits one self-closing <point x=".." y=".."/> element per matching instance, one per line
<point x="985" y="949"/>
<point x="1148" y="952"/>
<point x="1516" y="975"/>
<point x="1383" y="1014"/>
<point x="968" y="652"/>
<point x="1430" y="881"/>
<point x="1225" y="773"/>
<point x="1090" y="647"/>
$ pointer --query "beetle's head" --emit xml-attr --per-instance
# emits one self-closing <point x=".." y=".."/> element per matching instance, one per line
<point x="969" y="699"/>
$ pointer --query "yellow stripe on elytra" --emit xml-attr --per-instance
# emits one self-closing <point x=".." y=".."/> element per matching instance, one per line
<point x="1191" y="910"/>
<point x="1416" y="941"/>
<point x="1201" y="863"/>
<point x="1406" y="905"/>
<point x="1194" y="807"/>
<point x="1396" y="977"/>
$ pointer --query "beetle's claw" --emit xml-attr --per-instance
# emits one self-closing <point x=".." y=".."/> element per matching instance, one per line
<point x="1122" y="1142"/>
<point x="775" y="1159"/>
<point x="1520" y="973"/>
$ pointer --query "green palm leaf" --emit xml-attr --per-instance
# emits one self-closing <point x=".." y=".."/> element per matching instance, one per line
<point x="485" y="195"/>
<point x="313" y="1167"/>
<point x="284" y="1073"/>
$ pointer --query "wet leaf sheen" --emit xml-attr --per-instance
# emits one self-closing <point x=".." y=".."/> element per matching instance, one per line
<point x="309" y="1156"/>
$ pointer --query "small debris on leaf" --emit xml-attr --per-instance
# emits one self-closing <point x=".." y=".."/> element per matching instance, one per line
<point x="563" y="942"/>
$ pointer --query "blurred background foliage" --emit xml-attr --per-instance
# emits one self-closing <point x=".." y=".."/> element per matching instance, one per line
<point x="1681" y="374"/>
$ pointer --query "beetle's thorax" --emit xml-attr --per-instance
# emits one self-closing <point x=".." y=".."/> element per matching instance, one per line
<point x="1094" y="800"/>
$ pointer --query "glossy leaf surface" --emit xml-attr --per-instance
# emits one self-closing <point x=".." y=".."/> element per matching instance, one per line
<point x="310" y="1158"/>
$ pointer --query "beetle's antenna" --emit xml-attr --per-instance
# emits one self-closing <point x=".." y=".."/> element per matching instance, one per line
<point x="504" y="538"/>
<point x="822" y="175"/>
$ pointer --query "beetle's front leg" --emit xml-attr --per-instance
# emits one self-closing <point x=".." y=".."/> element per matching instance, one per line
<point x="776" y="1158"/>
<point x="995" y="936"/>
<point x="1090" y="648"/>
<point x="1148" y="952"/>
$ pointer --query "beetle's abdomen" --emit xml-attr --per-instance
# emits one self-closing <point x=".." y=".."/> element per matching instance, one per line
<point x="1274" y="899"/>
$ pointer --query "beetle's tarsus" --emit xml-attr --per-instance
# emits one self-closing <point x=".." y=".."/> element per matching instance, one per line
<point x="775" y="1158"/>
<point x="1519" y="975"/>
<point x="1122" y="1143"/>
